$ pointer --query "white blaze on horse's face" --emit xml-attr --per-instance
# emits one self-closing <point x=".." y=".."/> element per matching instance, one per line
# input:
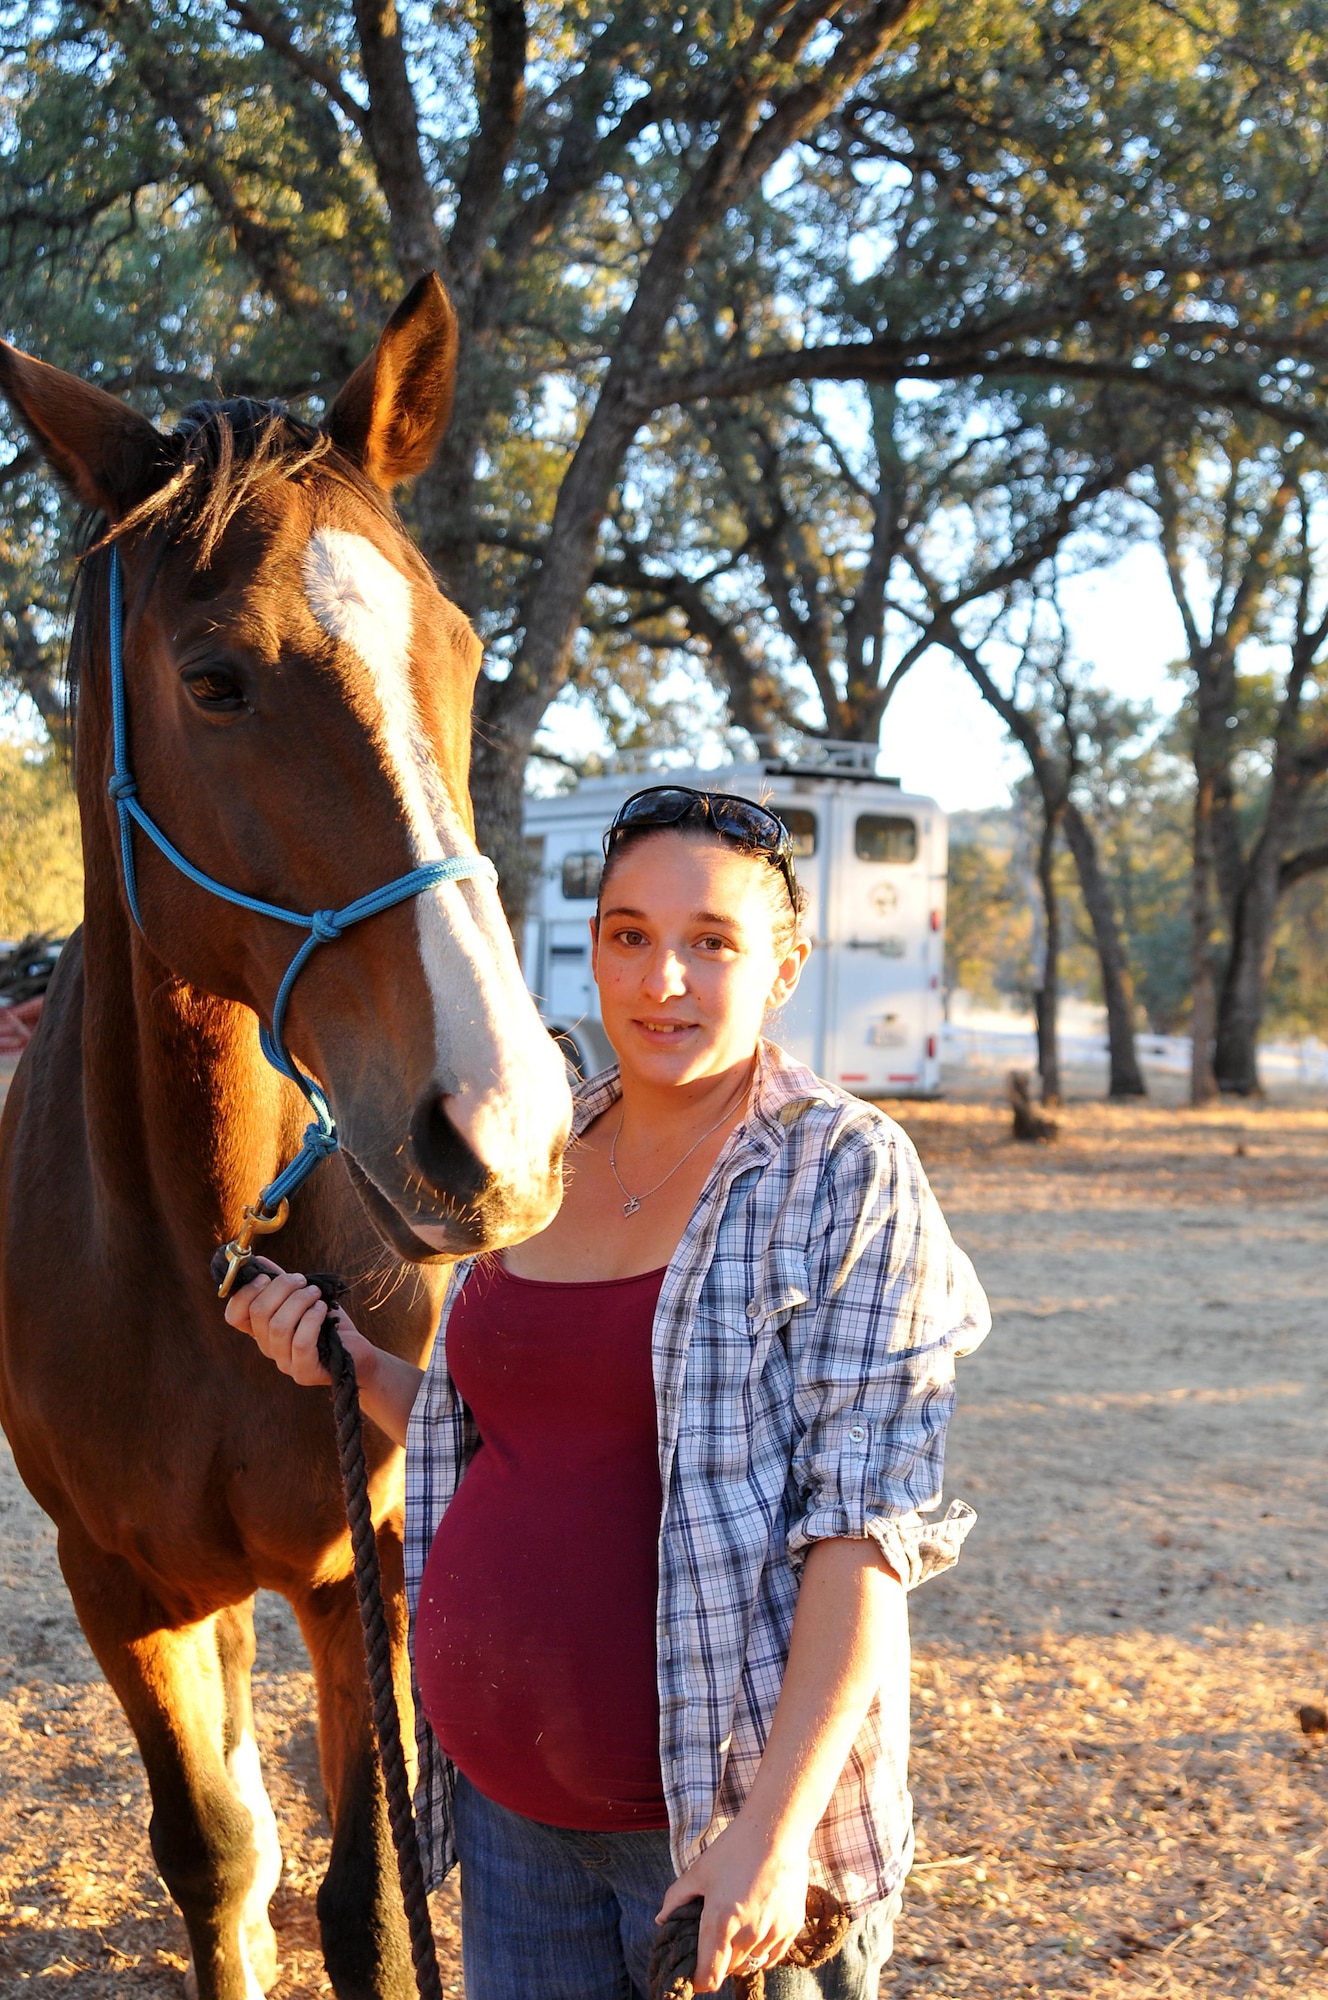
<point x="357" y="595"/>
<point x="501" y="1075"/>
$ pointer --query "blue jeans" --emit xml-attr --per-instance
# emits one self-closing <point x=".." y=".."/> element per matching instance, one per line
<point x="548" y="1914"/>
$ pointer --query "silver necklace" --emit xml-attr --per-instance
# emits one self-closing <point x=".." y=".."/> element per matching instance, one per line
<point x="634" y="1201"/>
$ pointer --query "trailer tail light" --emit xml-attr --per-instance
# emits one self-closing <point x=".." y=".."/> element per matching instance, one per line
<point x="931" y="1048"/>
<point x="936" y="920"/>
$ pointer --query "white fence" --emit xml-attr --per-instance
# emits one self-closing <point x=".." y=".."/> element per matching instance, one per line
<point x="983" y="1044"/>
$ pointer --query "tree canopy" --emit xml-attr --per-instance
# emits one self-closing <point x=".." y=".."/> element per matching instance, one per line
<point x="789" y="331"/>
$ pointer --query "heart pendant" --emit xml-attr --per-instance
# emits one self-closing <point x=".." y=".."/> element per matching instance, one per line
<point x="631" y="1205"/>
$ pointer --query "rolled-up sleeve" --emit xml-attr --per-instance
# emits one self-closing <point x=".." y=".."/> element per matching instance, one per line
<point x="892" y="1303"/>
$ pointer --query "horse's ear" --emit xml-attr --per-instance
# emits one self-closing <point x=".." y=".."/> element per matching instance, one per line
<point x="393" y="411"/>
<point x="107" y="454"/>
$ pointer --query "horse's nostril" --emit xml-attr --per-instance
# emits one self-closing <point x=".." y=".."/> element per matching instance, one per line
<point x="443" y="1156"/>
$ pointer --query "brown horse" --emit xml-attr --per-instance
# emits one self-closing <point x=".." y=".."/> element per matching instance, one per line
<point x="299" y="700"/>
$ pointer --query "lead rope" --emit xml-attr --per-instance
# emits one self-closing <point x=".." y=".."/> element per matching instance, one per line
<point x="673" y="1958"/>
<point x="349" y="1422"/>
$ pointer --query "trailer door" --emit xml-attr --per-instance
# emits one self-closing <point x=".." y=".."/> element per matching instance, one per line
<point x="879" y="972"/>
<point x="568" y="986"/>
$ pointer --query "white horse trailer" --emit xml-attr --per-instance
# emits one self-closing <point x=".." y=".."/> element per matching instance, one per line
<point x="872" y="859"/>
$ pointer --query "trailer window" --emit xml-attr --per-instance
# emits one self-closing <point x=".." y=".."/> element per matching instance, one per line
<point x="878" y="838"/>
<point x="581" y="873"/>
<point x="802" y="830"/>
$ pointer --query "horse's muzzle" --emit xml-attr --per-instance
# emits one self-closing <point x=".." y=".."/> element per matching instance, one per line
<point x="448" y="1202"/>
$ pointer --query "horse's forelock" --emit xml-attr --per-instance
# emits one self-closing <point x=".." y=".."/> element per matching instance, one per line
<point x="221" y="455"/>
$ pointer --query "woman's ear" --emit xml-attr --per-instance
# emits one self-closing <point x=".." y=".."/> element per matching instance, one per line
<point x="790" y="972"/>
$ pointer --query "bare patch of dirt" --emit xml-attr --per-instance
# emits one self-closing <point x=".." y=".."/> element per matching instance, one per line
<point x="1230" y="1154"/>
<point x="1115" y="1798"/>
<point x="1124" y="1816"/>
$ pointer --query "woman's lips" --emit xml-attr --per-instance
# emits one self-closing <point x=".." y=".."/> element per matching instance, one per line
<point x="665" y="1030"/>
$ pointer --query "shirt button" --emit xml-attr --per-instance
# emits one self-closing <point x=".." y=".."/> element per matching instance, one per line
<point x="857" y="1432"/>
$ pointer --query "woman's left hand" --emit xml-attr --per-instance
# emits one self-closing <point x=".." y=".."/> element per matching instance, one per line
<point x="754" y="1887"/>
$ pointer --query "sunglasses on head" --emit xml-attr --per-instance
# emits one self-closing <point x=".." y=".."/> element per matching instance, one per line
<point x="717" y="812"/>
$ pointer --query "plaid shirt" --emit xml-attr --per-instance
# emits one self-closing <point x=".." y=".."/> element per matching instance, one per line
<point x="804" y="1350"/>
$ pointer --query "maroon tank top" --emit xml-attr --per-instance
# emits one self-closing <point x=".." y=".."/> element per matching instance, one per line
<point x="535" y="1634"/>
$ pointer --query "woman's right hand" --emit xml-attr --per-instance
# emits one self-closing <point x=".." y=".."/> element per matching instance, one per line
<point x="284" y="1314"/>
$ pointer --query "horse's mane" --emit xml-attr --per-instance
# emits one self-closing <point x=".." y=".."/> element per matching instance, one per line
<point x="219" y="457"/>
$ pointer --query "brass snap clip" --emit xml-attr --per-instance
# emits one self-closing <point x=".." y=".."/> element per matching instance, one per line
<point x="257" y="1222"/>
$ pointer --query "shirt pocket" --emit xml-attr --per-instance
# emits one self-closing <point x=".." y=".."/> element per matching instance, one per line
<point x="780" y="1288"/>
<point x="738" y="1402"/>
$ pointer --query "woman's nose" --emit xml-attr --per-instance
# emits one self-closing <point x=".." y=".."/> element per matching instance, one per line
<point x="668" y="977"/>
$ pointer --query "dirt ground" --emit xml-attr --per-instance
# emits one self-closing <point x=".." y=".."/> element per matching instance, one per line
<point x="1115" y="1797"/>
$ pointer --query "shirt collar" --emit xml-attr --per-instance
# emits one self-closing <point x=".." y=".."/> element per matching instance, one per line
<point x="784" y="1089"/>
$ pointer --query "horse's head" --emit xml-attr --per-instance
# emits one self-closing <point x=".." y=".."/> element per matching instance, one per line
<point x="299" y="696"/>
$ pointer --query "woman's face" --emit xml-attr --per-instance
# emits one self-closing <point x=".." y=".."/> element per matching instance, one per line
<point x="685" y="956"/>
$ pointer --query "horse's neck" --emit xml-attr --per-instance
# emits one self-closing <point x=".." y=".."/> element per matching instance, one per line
<point x="181" y="1107"/>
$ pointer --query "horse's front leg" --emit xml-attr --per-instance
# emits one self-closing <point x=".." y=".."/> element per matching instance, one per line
<point x="185" y="1691"/>
<point x="365" y="1944"/>
<point x="235" y="1648"/>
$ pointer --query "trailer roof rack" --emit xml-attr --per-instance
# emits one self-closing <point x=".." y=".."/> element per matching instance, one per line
<point x="795" y="756"/>
<point x="824" y="757"/>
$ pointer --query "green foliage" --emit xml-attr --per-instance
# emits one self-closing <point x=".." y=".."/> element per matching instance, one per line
<point x="989" y="916"/>
<point x="917" y="352"/>
<point x="1135" y="786"/>
<point x="41" y="862"/>
<point x="1298" y="983"/>
<point x="994" y="925"/>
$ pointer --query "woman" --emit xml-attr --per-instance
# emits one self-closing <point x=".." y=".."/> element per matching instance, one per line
<point x="665" y="1466"/>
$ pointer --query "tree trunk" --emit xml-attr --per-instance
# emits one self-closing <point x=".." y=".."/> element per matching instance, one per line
<point x="754" y="126"/>
<point x="1048" y="993"/>
<point x="498" y="759"/>
<point x="1203" y="1004"/>
<point x="1245" y="986"/>
<point x="1126" y="1078"/>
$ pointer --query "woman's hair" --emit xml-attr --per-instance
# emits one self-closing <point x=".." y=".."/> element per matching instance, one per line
<point x="786" y="914"/>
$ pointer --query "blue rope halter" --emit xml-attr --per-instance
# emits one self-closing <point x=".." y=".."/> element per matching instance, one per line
<point x="320" y="1138"/>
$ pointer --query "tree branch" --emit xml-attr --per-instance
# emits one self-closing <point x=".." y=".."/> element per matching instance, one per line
<point x="755" y="699"/>
<point x="392" y="134"/>
<point x="274" y="32"/>
<point x="1168" y="514"/>
<point x="267" y="249"/>
<point x="1310" y="861"/>
<point x="500" y="121"/>
<point x="976" y="352"/>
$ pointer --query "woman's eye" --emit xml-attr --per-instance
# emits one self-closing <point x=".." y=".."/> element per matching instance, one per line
<point x="630" y="937"/>
<point x="712" y="944"/>
<point x="215" y="689"/>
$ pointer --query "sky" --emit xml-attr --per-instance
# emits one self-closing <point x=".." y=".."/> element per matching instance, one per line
<point x="940" y="738"/>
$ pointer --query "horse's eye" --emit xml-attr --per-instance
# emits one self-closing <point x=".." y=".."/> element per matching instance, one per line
<point x="215" y="689"/>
